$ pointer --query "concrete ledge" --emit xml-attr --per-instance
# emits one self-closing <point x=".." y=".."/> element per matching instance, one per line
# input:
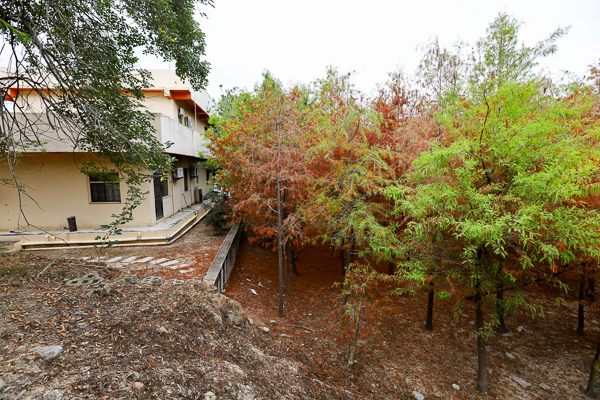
<point x="160" y="234"/>
<point x="220" y="270"/>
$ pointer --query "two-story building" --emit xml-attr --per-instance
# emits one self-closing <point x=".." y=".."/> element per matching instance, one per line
<point x="57" y="189"/>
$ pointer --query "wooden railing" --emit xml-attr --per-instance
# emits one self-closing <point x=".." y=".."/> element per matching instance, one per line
<point x="221" y="267"/>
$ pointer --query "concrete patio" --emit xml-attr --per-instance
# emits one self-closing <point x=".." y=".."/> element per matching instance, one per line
<point x="163" y="232"/>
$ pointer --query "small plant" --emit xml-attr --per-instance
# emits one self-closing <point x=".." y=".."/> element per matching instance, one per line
<point x="217" y="218"/>
<point x="362" y="303"/>
<point x="135" y="196"/>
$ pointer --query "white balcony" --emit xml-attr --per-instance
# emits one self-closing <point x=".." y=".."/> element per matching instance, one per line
<point x="186" y="142"/>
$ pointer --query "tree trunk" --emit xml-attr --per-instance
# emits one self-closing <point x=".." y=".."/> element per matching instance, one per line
<point x="287" y="270"/>
<point x="590" y="283"/>
<point x="429" y="322"/>
<point x="293" y="258"/>
<point x="500" y="308"/>
<point x="349" y="260"/>
<point x="482" y="381"/>
<point x="342" y="260"/>
<point x="279" y="249"/>
<point x="580" y="314"/>
<point x="354" y="338"/>
<point x="391" y="268"/>
<point x="590" y="391"/>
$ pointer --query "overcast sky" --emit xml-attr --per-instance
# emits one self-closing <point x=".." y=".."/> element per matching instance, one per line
<point x="296" y="41"/>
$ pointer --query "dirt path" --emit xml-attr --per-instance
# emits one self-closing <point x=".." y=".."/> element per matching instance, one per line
<point x="195" y="251"/>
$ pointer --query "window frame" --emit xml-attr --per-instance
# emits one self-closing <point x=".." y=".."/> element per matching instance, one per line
<point x="92" y="180"/>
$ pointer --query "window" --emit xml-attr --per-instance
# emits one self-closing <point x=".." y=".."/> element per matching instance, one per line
<point x="105" y="188"/>
<point x="185" y="181"/>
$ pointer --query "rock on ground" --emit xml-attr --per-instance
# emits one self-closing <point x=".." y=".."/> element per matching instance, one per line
<point x="231" y="311"/>
<point x="50" y="351"/>
<point x="210" y="396"/>
<point x="52" y="395"/>
<point x="544" y="386"/>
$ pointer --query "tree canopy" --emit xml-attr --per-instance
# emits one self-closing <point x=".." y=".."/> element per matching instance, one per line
<point x="478" y="170"/>
<point x="80" y="58"/>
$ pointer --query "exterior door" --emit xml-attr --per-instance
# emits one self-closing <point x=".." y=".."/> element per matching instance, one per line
<point x="158" y="198"/>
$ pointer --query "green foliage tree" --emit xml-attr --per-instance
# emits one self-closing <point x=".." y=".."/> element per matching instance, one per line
<point x="502" y="182"/>
<point x="79" y="58"/>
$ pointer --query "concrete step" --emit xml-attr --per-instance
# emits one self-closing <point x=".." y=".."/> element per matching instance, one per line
<point x="7" y="245"/>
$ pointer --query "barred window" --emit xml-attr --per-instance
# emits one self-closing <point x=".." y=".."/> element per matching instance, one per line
<point x="105" y="189"/>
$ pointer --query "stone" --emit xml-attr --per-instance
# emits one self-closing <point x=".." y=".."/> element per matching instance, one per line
<point x="265" y="329"/>
<point x="143" y="260"/>
<point x="545" y="387"/>
<point x="19" y="334"/>
<point x="510" y="357"/>
<point x="455" y="386"/>
<point x="138" y="385"/>
<point x="21" y="349"/>
<point x="103" y="290"/>
<point x="152" y="281"/>
<point x="50" y="351"/>
<point x="2" y="385"/>
<point x="521" y="381"/>
<point x="210" y="396"/>
<point x="162" y="329"/>
<point x="132" y="279"/>
<point x="52" y="395"/>
<point x="169" y="263"/>
<point x="231" y="311"/>
<point x="250" y="321"/>
<point x="418" y="396"/>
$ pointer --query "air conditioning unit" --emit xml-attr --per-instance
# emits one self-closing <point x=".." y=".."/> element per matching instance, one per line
<point x="180" y="111"/>
<point x="178" y="173"/>
<point x="188" y="122"/>
<point x="193" y="172"/>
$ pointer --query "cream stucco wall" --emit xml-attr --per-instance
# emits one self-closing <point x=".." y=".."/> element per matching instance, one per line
<point x="178" y="197"/>
<point x="57" y="190"/>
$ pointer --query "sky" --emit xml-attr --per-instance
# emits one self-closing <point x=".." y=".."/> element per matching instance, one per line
<point x="297" y="41"/>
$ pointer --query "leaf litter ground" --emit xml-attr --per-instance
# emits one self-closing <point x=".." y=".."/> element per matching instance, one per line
<point x="113" y="341"/>
<point x="401" y="354"/>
